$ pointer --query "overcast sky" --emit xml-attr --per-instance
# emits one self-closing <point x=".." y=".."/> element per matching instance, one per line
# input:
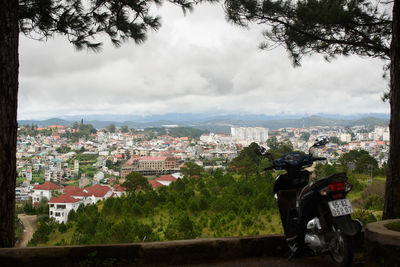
<point x="198" y="63"/>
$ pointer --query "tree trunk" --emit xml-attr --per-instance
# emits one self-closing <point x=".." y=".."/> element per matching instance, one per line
<point x="8" y="117"/>
<point x="392" y="194"/>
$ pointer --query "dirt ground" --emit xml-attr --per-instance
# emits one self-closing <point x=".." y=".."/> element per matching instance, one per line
<point x="29" y="226"/>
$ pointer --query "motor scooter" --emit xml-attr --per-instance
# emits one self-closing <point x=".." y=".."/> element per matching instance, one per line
<point x="315" y="215"/>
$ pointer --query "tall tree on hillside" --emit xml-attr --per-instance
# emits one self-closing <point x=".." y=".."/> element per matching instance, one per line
<point x="368" y="28"/>
<point x="136" y="181"/>
<point x="111" y="128"/>
<point x="81" y="21"/>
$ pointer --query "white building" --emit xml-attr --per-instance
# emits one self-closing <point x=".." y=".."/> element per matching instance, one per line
<point x="29" y="174"/>
<point x="259" y="134"/>
<point x="98" y="177"/>
<point x="61" y="206"/>
<point x="118" y="190"/>
<point x="345" y="138"/>
<point x="97" y="193"/>
<point x="47" y="175"/>
<point x="43" y="191"/>
<point x="166" y="179"/>
<point x="76" y="167"/>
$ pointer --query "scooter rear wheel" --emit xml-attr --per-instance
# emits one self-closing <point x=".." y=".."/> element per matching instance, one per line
<point x="341" y="249"/>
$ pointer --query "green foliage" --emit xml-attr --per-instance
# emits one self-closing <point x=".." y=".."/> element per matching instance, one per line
<point x="28" y="208"/>
<point x="111" y="128"/>
<point x="357" y="186"/>
<point x="84" y="21"/>
<point x="278" y="149"/>
<point x="43" y="218"/>
<point x="86" y="157"/>
<point x="365" y="216"/>
<point x="114" y="166"/>
<point x="322" y="170"/>
<point x="135" y="181"/>
<point x="63" y="149"/>
<point x="326" y="27"/>
<point x="247" y="162"/>
<point x="223" y="204"/>
<point x="181" y="227"/>
<point x="360" y="161"/>
<point x="394" y="226"/>
<point x="41" y="235"/>
<point x="79" y="131"/>
<point x="191" y="169"/>
<point x="62" y="228"/>
<point x="373" y="202"/>
<point x="32" y="130"/>
<point x="72" y="216"/>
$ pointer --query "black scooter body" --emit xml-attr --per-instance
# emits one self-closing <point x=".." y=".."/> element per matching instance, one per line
<point x="300" y="201"/>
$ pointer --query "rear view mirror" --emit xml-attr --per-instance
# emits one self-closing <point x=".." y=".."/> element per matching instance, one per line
<point x="321" y="141"/>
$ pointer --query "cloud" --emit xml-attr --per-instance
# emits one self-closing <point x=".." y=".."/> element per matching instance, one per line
<point x="196" y="63"/>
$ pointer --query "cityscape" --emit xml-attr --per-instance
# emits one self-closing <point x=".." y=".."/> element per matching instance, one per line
<point x="64" y="166"/>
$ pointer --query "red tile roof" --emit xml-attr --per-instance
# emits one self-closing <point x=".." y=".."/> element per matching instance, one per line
<point x="97" y="190"/>
<point x="46" y="186"/>
<point x="152" y="158"/>
<point x="63" y="199"/>
<point x="75" y="191"/>
<point x="168" y="178"/>
<point x="155" y="184"/>
<point x="119" y="188"/>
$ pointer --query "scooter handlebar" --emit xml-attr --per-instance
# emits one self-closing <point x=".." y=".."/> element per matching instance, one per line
<point x="269" y="168"/>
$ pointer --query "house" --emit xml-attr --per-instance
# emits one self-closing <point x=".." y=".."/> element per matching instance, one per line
<point x="98" y="192"/>
<point x="43" y="191"/>
<point x="155" y="184"/>
<point x="166" y="179"/>
<point x="76" y="192"/>
<point x="118" y="190"/>
<point x="59" y="207"/>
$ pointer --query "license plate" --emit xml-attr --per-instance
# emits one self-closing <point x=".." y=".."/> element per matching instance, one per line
<point x="340" y="207"/>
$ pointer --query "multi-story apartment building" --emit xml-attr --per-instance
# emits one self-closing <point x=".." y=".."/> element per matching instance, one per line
<point x="151" y="166"/>
<point x="259" y="134"/>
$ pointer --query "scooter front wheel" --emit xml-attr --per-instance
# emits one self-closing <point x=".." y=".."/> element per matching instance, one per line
<point x="341" y="248"/>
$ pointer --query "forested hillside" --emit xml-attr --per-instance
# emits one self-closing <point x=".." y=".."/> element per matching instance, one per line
<point x="215" y="204"/>
<point x="236" y="202"/>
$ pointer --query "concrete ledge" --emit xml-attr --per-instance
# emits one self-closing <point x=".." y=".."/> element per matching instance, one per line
<point x="166" y="253"/>
<point x="382" y="245"/>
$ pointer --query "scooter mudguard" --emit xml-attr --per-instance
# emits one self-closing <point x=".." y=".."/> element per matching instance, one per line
<point x="345" y="224"/>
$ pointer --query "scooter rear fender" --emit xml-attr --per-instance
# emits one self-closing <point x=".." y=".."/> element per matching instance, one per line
<point x="345" y="224"/>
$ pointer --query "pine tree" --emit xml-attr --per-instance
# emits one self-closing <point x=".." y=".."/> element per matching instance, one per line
<point x="336" y="27"/>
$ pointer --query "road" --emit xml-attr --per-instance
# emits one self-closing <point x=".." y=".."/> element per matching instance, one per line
<point x="29" y="226"/>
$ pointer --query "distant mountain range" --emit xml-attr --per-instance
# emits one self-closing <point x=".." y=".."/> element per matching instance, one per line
<point x="220" y="123"/>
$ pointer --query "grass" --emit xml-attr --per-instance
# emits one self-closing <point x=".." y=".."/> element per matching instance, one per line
<point x="56" y="237"/>
<point x="394" y="226"/>
<point x="354" y="195"/>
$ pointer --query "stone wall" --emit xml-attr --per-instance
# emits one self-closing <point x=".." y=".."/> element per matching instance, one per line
<point x="168" y="253"/>
<point x="382" y="246"/>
